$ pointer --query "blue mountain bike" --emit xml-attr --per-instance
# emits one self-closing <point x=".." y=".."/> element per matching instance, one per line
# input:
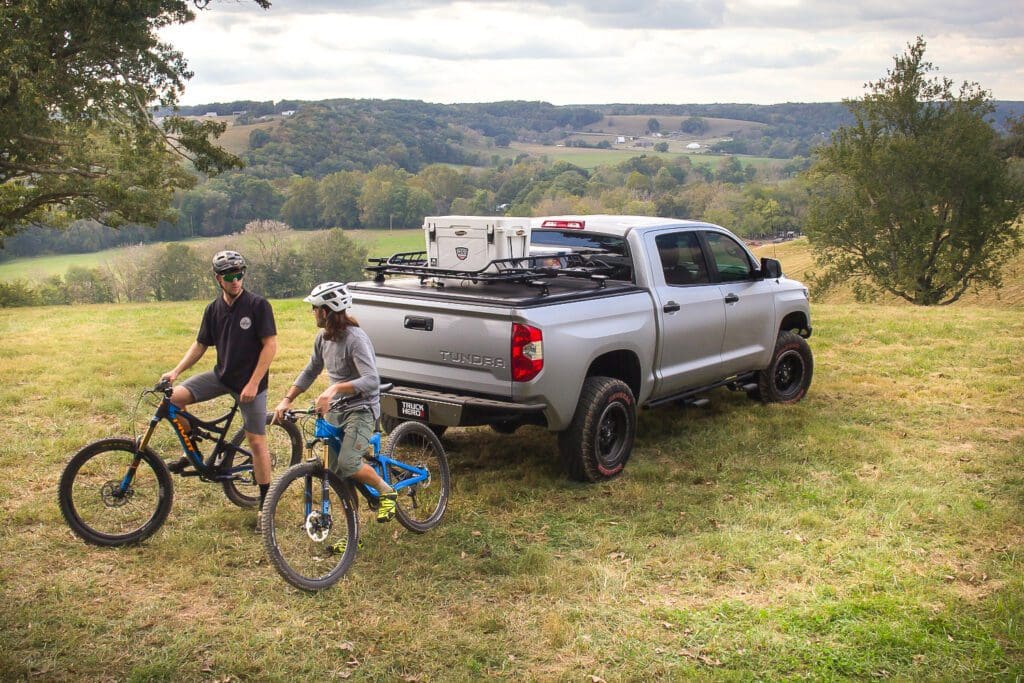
<point x="310" y="517"/>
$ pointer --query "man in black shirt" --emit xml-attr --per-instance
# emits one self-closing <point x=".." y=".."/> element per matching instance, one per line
<point x="241" y="326"/>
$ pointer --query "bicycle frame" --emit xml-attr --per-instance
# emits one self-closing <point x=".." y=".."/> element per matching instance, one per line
<point x="180" y="420"/>
<point x="331" y="437"/>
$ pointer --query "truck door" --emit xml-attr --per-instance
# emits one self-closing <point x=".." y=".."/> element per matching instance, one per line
<point x="690" y="310"/>
<point x="749" y="305"/>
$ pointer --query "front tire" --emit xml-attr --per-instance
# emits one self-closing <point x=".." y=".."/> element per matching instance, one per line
<point x="299" y="543"/>
<point x="788" y="376"/>
<point x="96" y="507"/>
<point x="284" y="441"/>
<point x="420" y="506"/>
<point x="600" y="437"/>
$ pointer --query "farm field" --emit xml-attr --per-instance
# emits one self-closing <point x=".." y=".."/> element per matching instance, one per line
<point x="871" y="531"/>
<point x="38" y="267"/>
<point x="592" y="158"/>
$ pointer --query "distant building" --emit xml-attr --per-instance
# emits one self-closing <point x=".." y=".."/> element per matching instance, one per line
<point x="621" y="139"/>
<point x="693" y="145"/>
<point x="289" y="112"/>
<point x="211" y="114"/>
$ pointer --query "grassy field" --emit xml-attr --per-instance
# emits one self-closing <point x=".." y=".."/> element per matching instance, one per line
<point x="872" y="531"/>
<point x="592" y="158"/>
<point x="38" y="267"/>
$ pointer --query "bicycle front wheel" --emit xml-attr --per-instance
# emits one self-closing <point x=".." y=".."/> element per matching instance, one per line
<point x="106" y="502"/>
<point x="284" y="441"/>
<point x="311" y="545"/>
<point x="420" y="505"/>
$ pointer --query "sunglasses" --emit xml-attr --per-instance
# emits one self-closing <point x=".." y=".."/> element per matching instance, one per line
<point x="231" y="277"/>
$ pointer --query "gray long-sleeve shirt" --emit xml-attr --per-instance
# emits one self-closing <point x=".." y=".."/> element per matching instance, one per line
<point x="349" y="360"/>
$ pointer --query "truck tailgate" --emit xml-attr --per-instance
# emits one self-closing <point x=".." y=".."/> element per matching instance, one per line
<point x="446" y="344"/>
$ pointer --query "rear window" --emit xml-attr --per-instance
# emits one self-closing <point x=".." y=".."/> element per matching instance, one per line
<point x="577" y="239"/>
<point x="616" y="262"/>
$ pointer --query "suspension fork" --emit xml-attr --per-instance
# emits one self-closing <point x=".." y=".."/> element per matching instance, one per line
<point x="140" y="446"/>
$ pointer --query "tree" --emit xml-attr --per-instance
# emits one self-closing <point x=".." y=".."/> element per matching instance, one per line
<point x="77" y="135"/>
<point x="338" y="198"/>
<point x="302" y="208"/>
<point x="653" y="125"/>
<point x="177" y="274"/>
<point x="915" y="198"/>
<point x="695" y="125"/>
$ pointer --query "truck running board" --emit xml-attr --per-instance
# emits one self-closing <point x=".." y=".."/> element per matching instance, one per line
<point x="689" y="395"/>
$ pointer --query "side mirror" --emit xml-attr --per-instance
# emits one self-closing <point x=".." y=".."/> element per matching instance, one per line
<point x="770" y="269"/>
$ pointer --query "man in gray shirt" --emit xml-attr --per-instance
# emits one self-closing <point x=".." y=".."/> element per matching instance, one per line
<point x="345" y="350"/>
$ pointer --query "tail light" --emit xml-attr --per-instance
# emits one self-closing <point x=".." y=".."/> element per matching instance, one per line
<point x="527" y="352"/>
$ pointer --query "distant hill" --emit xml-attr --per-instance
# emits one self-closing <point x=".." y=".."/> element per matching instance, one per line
<point x="287" y="138"/>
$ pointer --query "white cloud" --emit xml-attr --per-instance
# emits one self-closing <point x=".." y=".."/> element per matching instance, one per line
<point x="576" y="51"/>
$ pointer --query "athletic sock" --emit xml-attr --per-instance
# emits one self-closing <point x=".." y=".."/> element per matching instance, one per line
<point x="263" y="493"/>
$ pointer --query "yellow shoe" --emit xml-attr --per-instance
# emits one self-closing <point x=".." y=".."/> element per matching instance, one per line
<point x="386" y="511"/>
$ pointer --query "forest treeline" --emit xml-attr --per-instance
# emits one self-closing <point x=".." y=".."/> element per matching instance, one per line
<point x="387" y="163"/>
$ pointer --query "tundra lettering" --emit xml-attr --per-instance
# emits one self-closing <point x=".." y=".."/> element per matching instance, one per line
<point x="472" y="359"/>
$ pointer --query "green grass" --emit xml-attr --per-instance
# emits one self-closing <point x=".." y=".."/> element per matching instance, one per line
<point x="589" y="158"/>
<point x="39" y="267"/>
<point x="871" y="531"/>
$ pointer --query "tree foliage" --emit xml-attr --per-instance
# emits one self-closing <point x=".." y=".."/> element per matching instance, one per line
<point x="77" y="136"/>
<point x="915" y="198"/>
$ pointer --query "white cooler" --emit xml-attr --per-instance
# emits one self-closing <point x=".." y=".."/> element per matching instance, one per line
<point x="469" y="243"/>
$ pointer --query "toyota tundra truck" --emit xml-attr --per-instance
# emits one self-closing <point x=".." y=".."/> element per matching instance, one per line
<point x="606" y="315"/>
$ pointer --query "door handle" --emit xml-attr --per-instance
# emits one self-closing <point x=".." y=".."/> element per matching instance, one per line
<point x="671" y="307"/>
<point x="731" y="298"/>
<point x="413" y="322"/>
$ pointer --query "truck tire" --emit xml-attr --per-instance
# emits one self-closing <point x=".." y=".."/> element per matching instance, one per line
<point x="389" y="423"/>
<point x="505" y="426"/>
<point x="600" y="437"/>
<point x="788" y="376"/>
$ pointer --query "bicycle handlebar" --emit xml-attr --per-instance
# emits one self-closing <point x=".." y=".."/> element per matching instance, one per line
<point x="334" y="405"/>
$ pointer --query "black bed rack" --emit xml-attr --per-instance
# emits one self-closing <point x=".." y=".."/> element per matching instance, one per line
<point x="530" y="270"/>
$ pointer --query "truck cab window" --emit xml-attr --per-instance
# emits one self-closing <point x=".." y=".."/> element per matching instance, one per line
<point x="616" y="258"/>
<point x="731" y="259"/>
<point x="682" y="260"/>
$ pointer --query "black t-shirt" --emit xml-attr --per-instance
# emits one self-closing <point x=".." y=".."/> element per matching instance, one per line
<point x="237" y="332"/>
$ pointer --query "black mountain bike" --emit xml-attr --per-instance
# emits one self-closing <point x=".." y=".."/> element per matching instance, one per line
<point x="118" y="491"/>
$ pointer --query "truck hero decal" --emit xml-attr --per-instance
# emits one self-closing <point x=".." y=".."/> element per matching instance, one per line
<point x="477" y="359"/>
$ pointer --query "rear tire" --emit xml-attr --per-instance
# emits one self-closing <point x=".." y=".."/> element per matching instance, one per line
<point x="505" y="426"/>
<point x="284" y="440"/>
<point x="89" y="498"/>
<point x="600" y="437"/>
<point x="303" y="561"/>
<point x="788" y="376"/>
<point x="421" y="506"/>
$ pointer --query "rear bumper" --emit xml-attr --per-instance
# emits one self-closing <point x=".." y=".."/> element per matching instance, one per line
<point x="455" y="410"/>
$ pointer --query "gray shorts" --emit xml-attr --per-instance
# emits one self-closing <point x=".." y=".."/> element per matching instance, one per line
<point x="358" y="425"/>
<point x="205" y="386"/>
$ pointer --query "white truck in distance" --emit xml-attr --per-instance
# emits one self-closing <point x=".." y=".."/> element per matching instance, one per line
<point x="606" y="314"/>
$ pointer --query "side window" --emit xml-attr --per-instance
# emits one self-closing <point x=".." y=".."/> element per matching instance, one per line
<point x="730" y="258"/>
<point x="682" y="260"/>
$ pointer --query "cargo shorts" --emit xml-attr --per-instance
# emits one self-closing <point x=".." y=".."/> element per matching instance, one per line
<point x="359" y="425"/>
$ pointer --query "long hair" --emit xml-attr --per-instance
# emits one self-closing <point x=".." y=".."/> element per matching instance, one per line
<point x="336" y="324"/>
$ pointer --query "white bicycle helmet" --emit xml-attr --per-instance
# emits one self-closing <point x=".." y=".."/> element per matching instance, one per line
<point x="333" y="295"/>
<point x="226" y="261"/>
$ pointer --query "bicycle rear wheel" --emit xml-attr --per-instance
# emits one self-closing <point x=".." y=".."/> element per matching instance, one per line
<point x="420" y="506"/>
<point x="98" y="505"/>
<point x="302" y="542"/>
<point x="284" y="441"/>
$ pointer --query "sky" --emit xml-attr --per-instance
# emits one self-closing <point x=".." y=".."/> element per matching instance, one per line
<point x="590" y="51"/>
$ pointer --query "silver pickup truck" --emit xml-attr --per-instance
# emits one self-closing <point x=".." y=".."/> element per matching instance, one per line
<point x="607" y="314"/>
